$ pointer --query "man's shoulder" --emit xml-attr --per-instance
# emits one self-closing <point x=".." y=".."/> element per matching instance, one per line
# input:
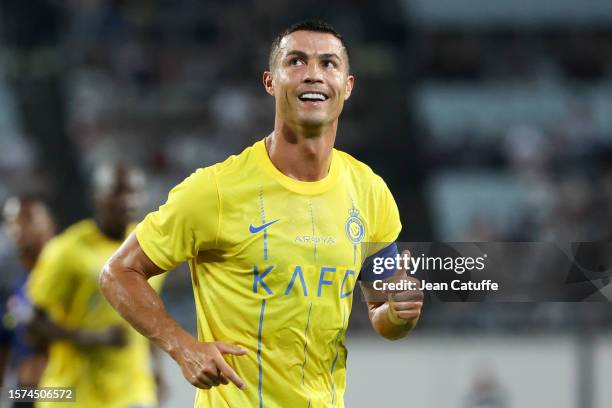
<point x="358" y="169"/>
<point x="62" y="247"/>
<point x="75" y="232"/>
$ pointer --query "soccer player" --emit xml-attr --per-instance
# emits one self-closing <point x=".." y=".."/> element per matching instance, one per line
<point x="29" y="225"/>
<point x="273" y="237"/>
<point x="92" y="349"/>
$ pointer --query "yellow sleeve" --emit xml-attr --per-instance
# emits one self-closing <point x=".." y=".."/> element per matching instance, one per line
<point x="52" y="282"/>
<point x="186" y="224"/>
<point x="387" y="225"/>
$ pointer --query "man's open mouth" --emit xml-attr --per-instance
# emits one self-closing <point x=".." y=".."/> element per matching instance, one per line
<point x="312" y="97"/>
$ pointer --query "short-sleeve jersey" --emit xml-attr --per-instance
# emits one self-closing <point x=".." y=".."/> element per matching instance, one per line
<point x="64" y="283"/>
<point x="274" y="262"/>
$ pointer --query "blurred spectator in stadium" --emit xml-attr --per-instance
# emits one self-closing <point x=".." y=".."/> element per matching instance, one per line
<point x="486" y="391"/>
<point x="29" y="224"/>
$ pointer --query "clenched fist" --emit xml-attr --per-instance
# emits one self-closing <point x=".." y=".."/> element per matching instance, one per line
<point x="405" y="306"/>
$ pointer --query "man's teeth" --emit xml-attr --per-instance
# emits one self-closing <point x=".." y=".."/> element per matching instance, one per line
<point x="311" y="96"/>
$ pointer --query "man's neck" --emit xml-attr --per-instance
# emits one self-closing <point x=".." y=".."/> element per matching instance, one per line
<point x="302" y="154"/>
<point x="113" y="231"/>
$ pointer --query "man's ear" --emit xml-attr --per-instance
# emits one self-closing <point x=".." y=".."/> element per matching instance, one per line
<point x="268" y="82"/>
<point x="349" y="86"/>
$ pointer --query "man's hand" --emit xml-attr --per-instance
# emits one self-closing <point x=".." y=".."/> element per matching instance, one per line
<point x="405" y="307"/>
<point x="203" y="364"/>
<point x="394" y="313"/>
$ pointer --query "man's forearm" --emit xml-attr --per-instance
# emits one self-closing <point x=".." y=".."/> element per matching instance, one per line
<point x="130" y="294"/>
<point x="44" y="330"/>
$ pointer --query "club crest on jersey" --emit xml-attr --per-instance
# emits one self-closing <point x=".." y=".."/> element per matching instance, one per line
<point x="355" y="230"/>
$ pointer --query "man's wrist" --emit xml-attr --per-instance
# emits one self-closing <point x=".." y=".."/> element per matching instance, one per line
<point x="176" y="343"/>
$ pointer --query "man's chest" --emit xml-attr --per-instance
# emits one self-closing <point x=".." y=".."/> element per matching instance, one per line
<point x="295" y="244"/>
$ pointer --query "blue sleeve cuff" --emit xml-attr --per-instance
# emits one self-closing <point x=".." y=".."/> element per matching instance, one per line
<point x="372" y="270"/>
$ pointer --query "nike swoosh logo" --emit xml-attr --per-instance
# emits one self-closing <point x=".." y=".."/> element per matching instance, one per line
<point x="255" y="230"/>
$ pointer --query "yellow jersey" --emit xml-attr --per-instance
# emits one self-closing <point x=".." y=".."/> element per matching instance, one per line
<point x="64" y="283"/>
<point x="273" y="264"/>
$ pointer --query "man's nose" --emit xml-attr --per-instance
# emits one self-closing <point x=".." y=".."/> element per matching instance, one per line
<point x="313" y="73"/>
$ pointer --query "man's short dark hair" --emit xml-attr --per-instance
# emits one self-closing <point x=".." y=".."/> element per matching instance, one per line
<point x="317" y="26"/>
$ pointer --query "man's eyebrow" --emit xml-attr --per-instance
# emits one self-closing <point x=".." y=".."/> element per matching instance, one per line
<point x="330" y="55"/>
<point x="302" y="54"/>
<point x="297" y="53"/>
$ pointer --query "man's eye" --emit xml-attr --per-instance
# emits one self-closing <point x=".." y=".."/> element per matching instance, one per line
<point x="296" y="61"/>
<point x="329" y="64"/>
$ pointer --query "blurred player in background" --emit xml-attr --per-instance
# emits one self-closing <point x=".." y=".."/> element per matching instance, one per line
<point x="273" y="239"/>
<point x="29" y="224"/>
<point x="92" y="349"/>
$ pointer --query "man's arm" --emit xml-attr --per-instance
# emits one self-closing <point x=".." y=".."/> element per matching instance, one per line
<point x="41" y="330"/>
<point x="399" y="314"/>
<point x="124" y="284"/>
